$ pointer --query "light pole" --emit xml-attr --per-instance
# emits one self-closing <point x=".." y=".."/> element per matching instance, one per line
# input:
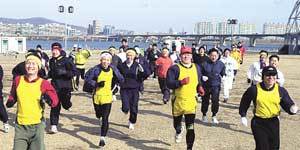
<point x="61" y="9"/>
<point x="232" y="22"/>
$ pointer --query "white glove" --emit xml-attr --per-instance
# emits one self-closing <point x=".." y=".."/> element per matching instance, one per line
<point x="294" y="109"/>
<point x="140" y="68"/>
<point x="244" y="121"/>
<point x="223" y="78"/>
<point x="204" y="78"/>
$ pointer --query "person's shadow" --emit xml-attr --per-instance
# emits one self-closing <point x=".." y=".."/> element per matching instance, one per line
<point x="112" y="133"/>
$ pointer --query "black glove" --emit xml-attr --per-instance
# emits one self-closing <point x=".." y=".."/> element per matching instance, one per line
<point x="100" y="84"/>
<point x="248" y="81"/>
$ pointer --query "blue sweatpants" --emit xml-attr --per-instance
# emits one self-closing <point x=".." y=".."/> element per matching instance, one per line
<point x="130" y="99"/>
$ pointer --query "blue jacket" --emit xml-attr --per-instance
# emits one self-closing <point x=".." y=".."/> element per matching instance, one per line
<point x="214" y="71"/>
<point x="173" y="75"/>
<point x="90" y="79"/>
<point x="133" y="77"/>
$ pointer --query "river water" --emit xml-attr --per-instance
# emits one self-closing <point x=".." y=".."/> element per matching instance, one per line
<point x="96" y="45"/>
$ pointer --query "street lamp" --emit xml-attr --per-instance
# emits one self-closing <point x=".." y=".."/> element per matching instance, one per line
<point x="61" y="9"/>
<point x="232" y="22"/>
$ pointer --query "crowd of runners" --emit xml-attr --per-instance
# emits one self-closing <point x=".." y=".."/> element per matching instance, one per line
<point x="185" y="77"/>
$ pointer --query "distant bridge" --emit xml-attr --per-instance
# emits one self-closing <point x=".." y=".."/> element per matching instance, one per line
<point x="197" y="38"/>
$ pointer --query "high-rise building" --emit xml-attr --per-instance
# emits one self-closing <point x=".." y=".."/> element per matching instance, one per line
<point x="247" y="28"/>
<point x="96" y="27"/>
<point x="225" y="28"/>
<point x="108" y="30"/>
<point x="221" y="28"/>
<point x="90" y="30"/>
<point x="204" y="28"/>
<point x="274" y="28"/>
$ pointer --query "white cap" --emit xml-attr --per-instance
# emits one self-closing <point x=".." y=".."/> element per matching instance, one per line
<point x="75" y="45"/>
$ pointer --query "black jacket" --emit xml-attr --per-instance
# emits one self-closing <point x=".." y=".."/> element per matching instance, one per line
<point x="62" y="70"/>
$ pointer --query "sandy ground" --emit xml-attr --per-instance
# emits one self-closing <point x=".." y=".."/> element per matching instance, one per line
<point x="79" y="129"/>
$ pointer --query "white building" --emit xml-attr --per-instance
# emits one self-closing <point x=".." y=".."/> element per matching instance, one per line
<point x="247" y="28"/>
<point x="204" y="28"/>
<point x="12" y="44"/>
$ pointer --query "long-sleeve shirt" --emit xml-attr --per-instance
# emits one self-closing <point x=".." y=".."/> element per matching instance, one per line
<point x="173" y="74"/>
<point x="163" y="64"/>
<point x="230" y="66"/>
<point x="61" y="72"/>
<point x="280" y="78"/>
<point x="255" y="72"/>
<point x="28" y="95"/>
<point x="91" y="76"/>
<point x="251" y="96"/>
<point x="214" y="71"/>
<point x="133" y="77"/>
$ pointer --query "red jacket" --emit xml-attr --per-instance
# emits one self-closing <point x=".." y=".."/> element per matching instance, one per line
<point x="243" y="51"/>
<point x="163" y="64"/>
<point x="46" y="89"/>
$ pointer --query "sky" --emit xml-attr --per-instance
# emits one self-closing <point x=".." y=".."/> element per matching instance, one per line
<point x="152" y="15"/>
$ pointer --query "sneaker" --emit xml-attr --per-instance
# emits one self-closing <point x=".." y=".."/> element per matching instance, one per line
<point x="102" y="141"/>
<point x="165" y="101"/>
<point x="53" y="129"/>
<point x="131" y="126"/>
<point x="199" y="99"/>
<point x="215" y="120"/>
<point x="204" y="119"/>
<point x="69" y="110"/>
<point x="125" y="113"/>
<point x="178" y="137"/>
<point x="6" y="127"/>
<point x="114" y="98"/>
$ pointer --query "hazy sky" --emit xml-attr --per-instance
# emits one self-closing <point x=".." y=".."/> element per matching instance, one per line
<point x="152" y="15"/>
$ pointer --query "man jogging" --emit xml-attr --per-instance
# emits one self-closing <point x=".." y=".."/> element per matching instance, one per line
<point x="267" y="97"/>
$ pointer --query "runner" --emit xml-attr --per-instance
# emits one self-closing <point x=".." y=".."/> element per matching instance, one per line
<point x="134" y="74"/>
<point x="267" y="97"/>
<point x="31" y="93"/>
<point x="274" y="61"/>
<point x="101" y="78"/>
<point x="115" y="61"/>
<point x="242" y="50"/>
<point x="213" y="71"/>
<point x="184" y="79"/>
<point x="61" y="72"/>
<point x="230" y="67"/>
<point x="143" y="61"/>
<point x="254" y="72"/>
<point x="3" y="113"/>
<point x="152" y="57"/>
<point x="81" y="58"/>
<point x="163" y="63"/>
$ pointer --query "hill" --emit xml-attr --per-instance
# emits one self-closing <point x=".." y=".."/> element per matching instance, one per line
<point x="36" y="21"/>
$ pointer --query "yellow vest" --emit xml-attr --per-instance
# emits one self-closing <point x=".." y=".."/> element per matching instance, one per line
<point x="267" y="102"/>
<point x="185" y="101"/>
<point x="28" y="97"/>
<point x="236" y="54"/>
<point x="104" y="95"/>
<point x="81" y="58"/>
